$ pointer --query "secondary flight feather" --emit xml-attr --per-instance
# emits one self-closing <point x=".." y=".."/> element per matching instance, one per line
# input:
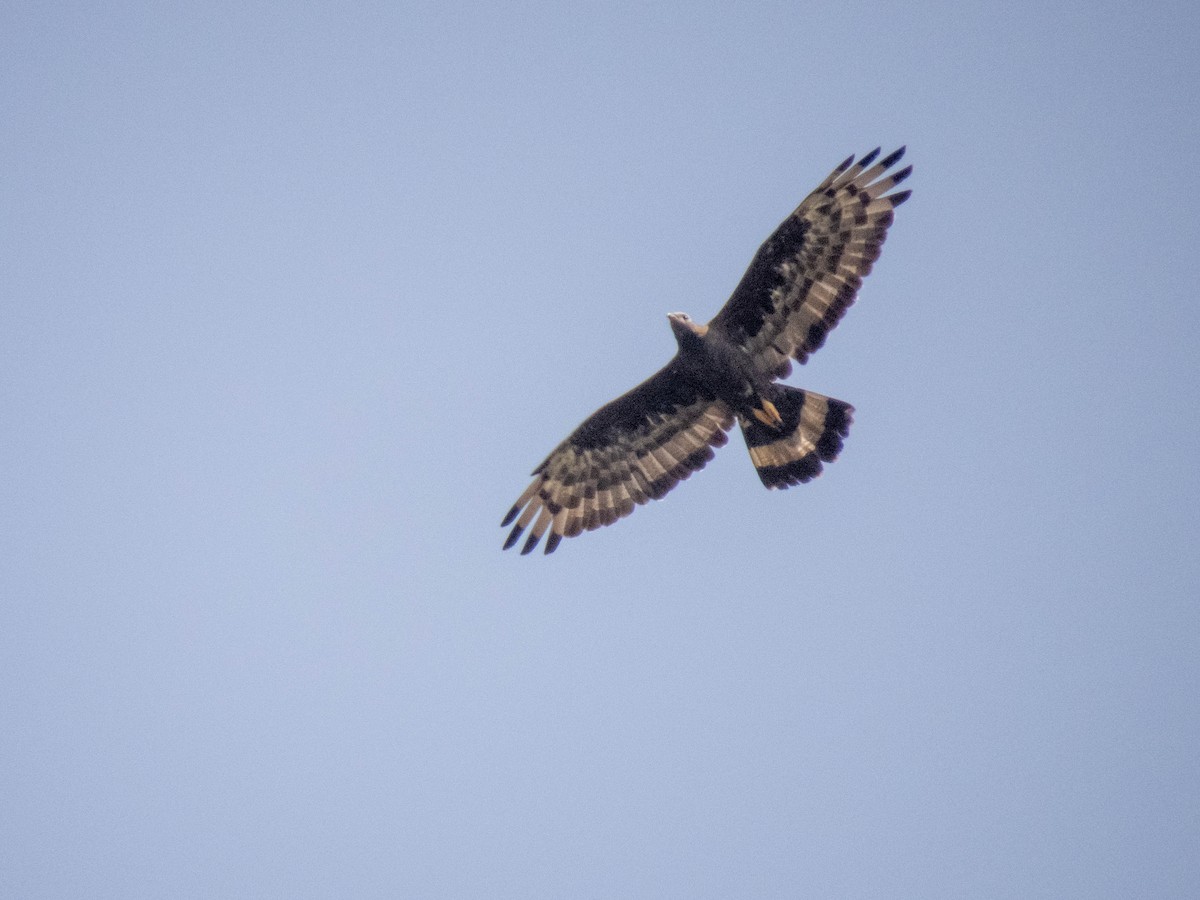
<point x="797" y="288"/>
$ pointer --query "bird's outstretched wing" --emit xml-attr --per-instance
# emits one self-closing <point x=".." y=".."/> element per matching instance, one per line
<point x="808" y="272"/>
<point x="634" y="449"/>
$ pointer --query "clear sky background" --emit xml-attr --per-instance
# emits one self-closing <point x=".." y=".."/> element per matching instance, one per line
<point x="292" y="299"/>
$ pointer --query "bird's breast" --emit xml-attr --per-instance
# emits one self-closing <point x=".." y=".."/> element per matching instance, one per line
<point x="725" y="371"/>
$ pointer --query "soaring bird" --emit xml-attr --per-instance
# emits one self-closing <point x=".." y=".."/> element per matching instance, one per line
<point x="797" y="288"/>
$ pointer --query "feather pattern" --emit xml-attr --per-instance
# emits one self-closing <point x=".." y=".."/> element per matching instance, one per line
<point x="806" y="274"/>
<point x="632" y="450"/>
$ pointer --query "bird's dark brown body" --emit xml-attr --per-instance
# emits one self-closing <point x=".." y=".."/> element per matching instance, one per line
<point x="718" y="366"/>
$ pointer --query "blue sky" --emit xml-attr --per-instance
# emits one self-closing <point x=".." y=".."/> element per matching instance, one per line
<point x="293" y="297"/>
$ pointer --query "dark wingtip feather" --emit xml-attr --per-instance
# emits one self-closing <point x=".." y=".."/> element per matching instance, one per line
<point x="512" y="514"/>
<point x="845" y="164"/>
<point x="899" y="198"/>
<point x="869" y="158"/>
<point x="514" y="536"/>
<point x="552" y="542"/>
<point x="530" y="544"/>
<point x="901" y="175"/>
<point x="892" y="158"/>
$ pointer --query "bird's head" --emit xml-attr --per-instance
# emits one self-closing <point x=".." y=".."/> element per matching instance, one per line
<point x="683" y="326"/>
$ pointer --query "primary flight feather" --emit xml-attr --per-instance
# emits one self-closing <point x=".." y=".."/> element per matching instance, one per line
<point x="797" y="288"/>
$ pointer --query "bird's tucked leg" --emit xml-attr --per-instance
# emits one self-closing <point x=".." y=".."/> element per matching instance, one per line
<point x="768" y="415"/>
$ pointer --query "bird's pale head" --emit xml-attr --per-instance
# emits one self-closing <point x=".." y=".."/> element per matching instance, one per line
<point x="682" y="325"/>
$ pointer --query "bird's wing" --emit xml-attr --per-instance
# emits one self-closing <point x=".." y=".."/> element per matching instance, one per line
<point x="808" y="272"/>
<point x="634" y="449"/>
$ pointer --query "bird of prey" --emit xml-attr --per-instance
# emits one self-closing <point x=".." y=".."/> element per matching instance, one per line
<point x="797" y="288"/>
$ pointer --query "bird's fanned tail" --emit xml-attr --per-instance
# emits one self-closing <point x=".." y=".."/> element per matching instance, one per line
<point x="810" y="434"/>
